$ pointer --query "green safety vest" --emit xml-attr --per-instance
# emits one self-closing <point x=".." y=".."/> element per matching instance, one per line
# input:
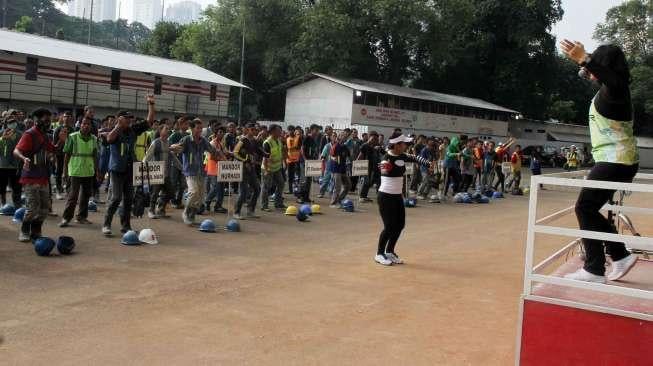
<point x="142" y="143"/>
<point x="612" y="141"/>
<point x="82" y="155"/>
<point x="276" y="155"/>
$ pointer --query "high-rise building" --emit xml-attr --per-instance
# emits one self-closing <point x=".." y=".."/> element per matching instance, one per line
<point x="102" y="9"/>
<point x="184" y="12"/>
<point x="147" y="12"/>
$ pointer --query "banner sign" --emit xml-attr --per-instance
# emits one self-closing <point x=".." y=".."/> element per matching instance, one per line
<point x="230" y="171"/>
<point x="313" y="168"/>
<point x="359" y="168"/>
<point x="156" y="170"/>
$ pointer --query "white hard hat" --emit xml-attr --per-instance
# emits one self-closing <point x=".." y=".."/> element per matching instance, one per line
<point x="148" y="236"/>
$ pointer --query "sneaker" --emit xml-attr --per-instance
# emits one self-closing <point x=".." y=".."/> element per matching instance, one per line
<point x="187" y="220"/>
<point x="380" y="259"/>
<point x="334" y="206"/>
<point x="320" y="195"/>
<point x="64" y="223"/>
<point x="266" y="209"/>
<point x="59" y="196"/>
<point x="251" y="215"/>
<point x="220" y="210"/>
<point x="238" y="216"/>
<point x="106" y="230"/>
<point x="83" y="221"/>
<point x="421" y="198"/>
<point x="621" y="267"/>
<point x="394" y="258"/>
<point x="583" y="275"/>
<point x="22" y="237"/>
<point x="364" y="199"/>
<point x="152" y="215"/>
<point x="125" y="229"/>
<point x="281" y="207"/>
<point x="412" y="193"/>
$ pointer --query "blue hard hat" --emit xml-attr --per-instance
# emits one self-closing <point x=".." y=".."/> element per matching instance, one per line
<point x="346" y="203"/>
<point x="233" y="226"/>
<point x="207" y="226"/>
<point x="43" y="246"/>
<point x="458" y="198"/>
<point x="65" y="244"/>
<point x="497" y="194"/>
<point x="349" y="207"/>
<point x="92" y="206"/>
<point x="484" y="199"/>
<point x="476" y="196"/>
<point x="488" y="192"/>
<point x="130" y="238"/>
<point x="301" y="216"/>
<point x="7" y="209"/>
<point x="19" y="215"/>
<point x="467" y="199"/>
<point x="412" y="202"/>
<point x="306" y="209"/>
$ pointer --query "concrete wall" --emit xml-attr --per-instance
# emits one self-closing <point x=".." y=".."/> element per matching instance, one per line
<point x="55" y="84"/>
<point x="319" y="101"/>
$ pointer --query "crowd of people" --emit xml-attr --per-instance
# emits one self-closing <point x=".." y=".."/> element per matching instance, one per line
<point x="48" y="156"/>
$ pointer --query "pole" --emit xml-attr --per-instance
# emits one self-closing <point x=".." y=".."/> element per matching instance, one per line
<point x="90" y="23"/>
<point x="118" y="26"/>
<point x="163" y="4"/>
<point x="242" y="70"/>
<point x="75" y="91"/>
<point x="4" y="13"/>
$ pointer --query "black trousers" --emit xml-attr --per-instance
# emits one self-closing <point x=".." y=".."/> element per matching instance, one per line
<point x="10" y="177"/>
<point x="393" y="214"/>
<point x="453" y="180"/>
<point x="121" y="190"/>
<point x="589" y="216"/>
<point x="293" y="173"/>
<point x="501" y="178"/>
<point x="467" y="182"/>
<point x="85" y="185"/>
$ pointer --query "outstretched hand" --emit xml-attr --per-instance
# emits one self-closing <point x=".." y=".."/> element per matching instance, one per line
<point x="574" y="50"/>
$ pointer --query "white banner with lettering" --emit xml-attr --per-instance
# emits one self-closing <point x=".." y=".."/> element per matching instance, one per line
<point x="156" y="170"/>
<point x="359" y="168"/>
<point x="313" y="168"/>
<point x="230" y="171"/>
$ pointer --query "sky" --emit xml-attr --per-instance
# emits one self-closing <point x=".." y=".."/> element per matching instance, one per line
<point x="578" y="23"/>
<point x="580" y="19"/>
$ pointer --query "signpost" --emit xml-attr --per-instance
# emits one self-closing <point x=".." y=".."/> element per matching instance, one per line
<point x="359" y="168"/>
<point x="152" y="172"/>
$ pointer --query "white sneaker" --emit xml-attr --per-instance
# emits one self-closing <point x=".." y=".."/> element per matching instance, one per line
<point x="411" y="192"/>
<point x="382" y="260"/>
<point x="186" y="219"/>
<point x="583" y="275"/>
<point x="59" y="196"/>
<point x="394" y="258"/>
<point x="421" y="198"/>
<point x="152" y="215"/>
<point x="22" y="237"/>
<point x="106" y="230"/>
<point x="621" y="267"/>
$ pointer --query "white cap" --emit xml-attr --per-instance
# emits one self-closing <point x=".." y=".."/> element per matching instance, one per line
<point x="148" y="236"/>
<point x="400" y="138"/>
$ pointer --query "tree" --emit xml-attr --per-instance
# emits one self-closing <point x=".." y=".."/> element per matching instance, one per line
<point x="629" y="25"/>
<point x="25" y="24"/>
<point x="162" y="38"/>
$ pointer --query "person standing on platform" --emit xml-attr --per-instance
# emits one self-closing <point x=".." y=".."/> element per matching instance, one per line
<point x="32" y="149"/>
<point x="615" y="152"/>
<point x="121" y="141"/>
<point x="192" y="149"/>
<point x="80" y="164"/>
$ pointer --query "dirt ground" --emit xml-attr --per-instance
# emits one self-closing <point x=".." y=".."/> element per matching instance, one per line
<point x="279" y="293"/>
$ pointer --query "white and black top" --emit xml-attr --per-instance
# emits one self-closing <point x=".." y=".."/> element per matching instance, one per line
<point x="393" y="168"/>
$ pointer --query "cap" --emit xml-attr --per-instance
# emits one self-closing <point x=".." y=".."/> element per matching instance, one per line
<point x="400" y="138"/>
<point x="125" y="114"/>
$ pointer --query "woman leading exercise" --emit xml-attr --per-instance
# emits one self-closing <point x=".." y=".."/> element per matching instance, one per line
<point x="390" y="197"/>
<point x="615" y="151"/>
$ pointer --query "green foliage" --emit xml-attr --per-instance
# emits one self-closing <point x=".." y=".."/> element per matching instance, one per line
<point x="24" y="24"/>
<point x="161" y="40"/>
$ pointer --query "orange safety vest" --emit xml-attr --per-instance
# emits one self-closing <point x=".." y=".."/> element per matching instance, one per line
<point x="293" y="149"/>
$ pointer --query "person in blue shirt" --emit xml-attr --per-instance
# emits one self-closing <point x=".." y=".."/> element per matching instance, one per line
<point x="121" y="141"/>
<point x="338" y="167"/>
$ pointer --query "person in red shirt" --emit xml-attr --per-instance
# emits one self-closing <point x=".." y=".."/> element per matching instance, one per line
<point x="502" y="151"/>
<point x="32" y="149"/>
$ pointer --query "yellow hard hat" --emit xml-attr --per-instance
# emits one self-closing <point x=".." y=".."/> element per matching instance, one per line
<point x="315" y="209"/>
<point x="526" y="190"/>
<point x="291" y="210"/>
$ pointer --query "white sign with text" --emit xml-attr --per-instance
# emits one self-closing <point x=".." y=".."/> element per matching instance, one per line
<point x="313" y="168"/>
<point x="359" y="168"/>
<point x="154" y="174"/>
<point x="230" y="171"/>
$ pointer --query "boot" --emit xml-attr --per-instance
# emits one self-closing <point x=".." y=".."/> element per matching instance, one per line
<point x="36" y="229"/>
<point x="24" y="231"/>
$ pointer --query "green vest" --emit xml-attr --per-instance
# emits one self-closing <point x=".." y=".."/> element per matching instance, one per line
<point x="82" y="155"/>
<point x="142" y="143"/>
<point x="276" y="155"/>
<point x="612" y="141"/>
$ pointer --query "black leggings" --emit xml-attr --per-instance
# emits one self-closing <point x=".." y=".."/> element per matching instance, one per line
<point x="393" y="214"/>
<point x="589" y="216"/>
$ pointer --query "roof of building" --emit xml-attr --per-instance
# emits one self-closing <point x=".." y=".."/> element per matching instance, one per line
<point x="35" y="45"/>
<point x="401" y="91"/>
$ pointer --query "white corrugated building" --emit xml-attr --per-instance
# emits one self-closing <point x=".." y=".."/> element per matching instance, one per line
<point x="41" y="71"/>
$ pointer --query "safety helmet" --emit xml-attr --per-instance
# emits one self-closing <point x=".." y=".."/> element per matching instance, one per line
<point x="148" y="236"/>
<point x="347" y="205"/>
<point x="65" y="244"/>
<point x="458" y="198"/>
<point x="43" y="245"/>
<point x="291" y="210"/>
<point x="130" y="238"/>
<point x="412" y="202"/>
<point x="497" y="194"/>
<point x="7" y="209"/>
<point x="476" y="196"/>
<point x="484" y="199"/>
<point x="92" y="206"/>
<point x="315" y="209"/>
<point x="467" y="199"/>
<point x="301" y="216"/>
<point x="233" y="226"/>
<point x="207" y="226"/>
<point x="526" y="190"/>
<point x="306" y="209"/>
<point x="19" y="215"/>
